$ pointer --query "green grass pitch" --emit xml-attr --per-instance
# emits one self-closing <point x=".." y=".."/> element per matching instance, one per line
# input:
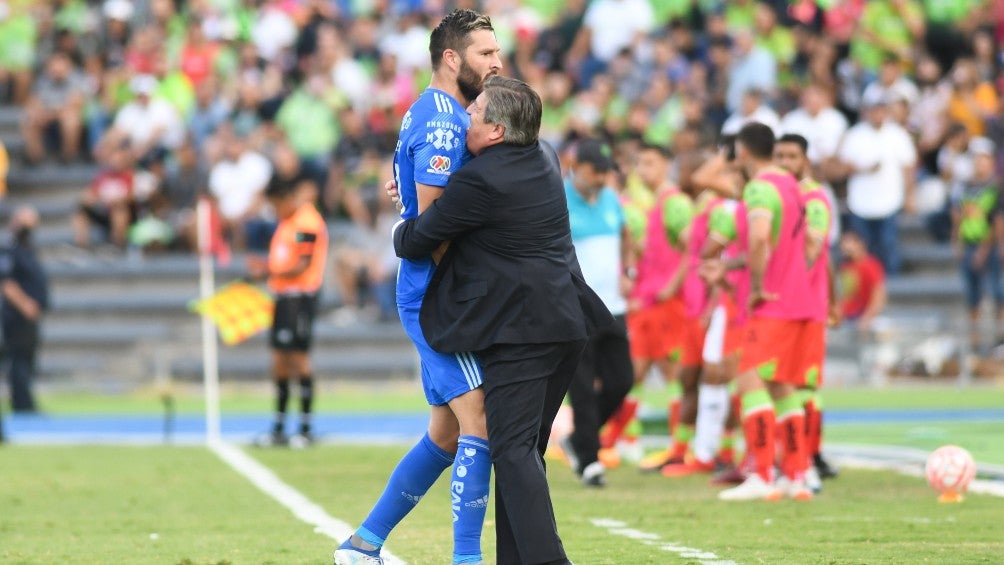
<point x="182" y="505"/>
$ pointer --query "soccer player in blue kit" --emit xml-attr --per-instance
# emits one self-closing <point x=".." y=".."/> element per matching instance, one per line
<point x="431" y="146"/>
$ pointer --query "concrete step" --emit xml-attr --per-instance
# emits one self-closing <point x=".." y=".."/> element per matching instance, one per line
<point x="369" y="362"/>
<point x="51" y="176"/>
<point x="82" y="266"/>
<point x="119" y="333"/>
<point x="940" y="288"/>
<point x="928" y="259"/>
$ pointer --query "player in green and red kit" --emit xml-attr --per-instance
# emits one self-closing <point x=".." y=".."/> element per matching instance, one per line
<point x="776" y="332"/>
<point x="655" y="305"/>
<point x="790" y="153"/>
<point x="699" y="304"/>
<point x="723" y="252"/>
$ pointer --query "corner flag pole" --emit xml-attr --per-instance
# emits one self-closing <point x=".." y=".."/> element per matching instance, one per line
<point x="210" y="354"/>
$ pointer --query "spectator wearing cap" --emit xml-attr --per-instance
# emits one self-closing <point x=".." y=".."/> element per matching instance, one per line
<point x="599" y="233"/>
<point x="55" y="110"/>
<point x="976" y="208"/>
<point x="146" y="124"/>
<point x="116" y="32"/>
<point x="878" y="157"/>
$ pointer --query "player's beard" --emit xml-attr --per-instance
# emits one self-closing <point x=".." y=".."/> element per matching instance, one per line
<point x="469" y="81"/>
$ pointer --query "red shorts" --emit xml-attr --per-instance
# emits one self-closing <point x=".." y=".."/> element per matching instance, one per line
<point x="776" y="349"/>
<point x="735" y="331"/>
<point x="692" y="342"/>
<point x="654" y="332"/>
<point x="813" y="354"/>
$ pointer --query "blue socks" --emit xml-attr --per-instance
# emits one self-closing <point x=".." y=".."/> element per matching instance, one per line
<point x="409" y="482"/>
<point x="472" y="471"/>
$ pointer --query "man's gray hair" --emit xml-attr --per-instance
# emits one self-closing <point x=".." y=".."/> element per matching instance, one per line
<point x="513" y="104"/>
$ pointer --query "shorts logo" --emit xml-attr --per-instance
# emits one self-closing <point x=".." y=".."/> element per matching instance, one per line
<point x="439" y="164"/>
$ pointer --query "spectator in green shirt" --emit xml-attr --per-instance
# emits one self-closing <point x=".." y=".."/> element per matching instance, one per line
<point x="887" y="26"/>
<point x="307" y="118"/>
<point x="975" y="211"/>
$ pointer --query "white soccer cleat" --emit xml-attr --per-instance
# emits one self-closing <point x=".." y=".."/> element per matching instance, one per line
<point x="813" y="481"/>
<point x="352" y="556"/>
<point x="753" y="488"/>
<point x="797" y="489"/>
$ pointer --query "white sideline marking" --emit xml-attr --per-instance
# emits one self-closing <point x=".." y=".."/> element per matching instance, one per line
<point x="978" y="486"/>
<point x="618" y="528"/>
<point x="301" y="506"/>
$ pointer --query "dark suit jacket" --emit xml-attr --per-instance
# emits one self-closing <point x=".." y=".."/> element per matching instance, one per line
<point x="510" y="275"/>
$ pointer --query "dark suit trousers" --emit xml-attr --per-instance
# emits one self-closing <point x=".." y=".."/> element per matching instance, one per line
<point x="524" y="387"/>
<point x="606" y="361"/>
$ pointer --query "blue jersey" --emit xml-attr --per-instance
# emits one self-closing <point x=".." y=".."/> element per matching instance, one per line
<point x="431" y="146"/>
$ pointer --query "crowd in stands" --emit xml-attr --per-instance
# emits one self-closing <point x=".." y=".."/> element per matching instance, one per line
<point x="174" y="99"/>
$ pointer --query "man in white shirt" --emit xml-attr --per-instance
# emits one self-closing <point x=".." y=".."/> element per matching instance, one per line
<point x="752" y="109"/>
<point x="147" y="123"/>
<point x="238" y="183"/>
<point x="818" y="122"/>
<point x="879" y="157"/>
<point x="608" y="27"/>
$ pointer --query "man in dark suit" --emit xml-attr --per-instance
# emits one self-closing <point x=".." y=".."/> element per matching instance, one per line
<point x="509" y="288"/>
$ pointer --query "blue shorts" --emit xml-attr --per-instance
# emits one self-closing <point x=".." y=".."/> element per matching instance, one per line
<point x="445" y="376"/>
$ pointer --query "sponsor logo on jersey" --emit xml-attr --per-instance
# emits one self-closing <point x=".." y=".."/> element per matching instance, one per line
<point x="439" y="164"/>
<point x="443" y="139"/>
<point x="406" y="121"/>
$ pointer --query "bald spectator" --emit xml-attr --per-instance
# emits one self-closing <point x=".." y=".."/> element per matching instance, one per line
<point x="891" y="83"/>
<point x="879" y="158"/>
<point x="817" y="121"/>
<point x="25" y="291"/>
<point x="238" y="183"/>
<point x="54" y="111"/>
<point x="752" y="109"/>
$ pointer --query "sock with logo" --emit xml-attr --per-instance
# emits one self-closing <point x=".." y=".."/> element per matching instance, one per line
<point x="791" y="434"/>
<point x="712" y="410"/>
<point x="472" y="470"/>
<point x="758" y="426"/>
<point x="409" y="482"/>
<point x="306" y="402"/>
<point x="281" y="402"/>
<point x="813" y="423"/>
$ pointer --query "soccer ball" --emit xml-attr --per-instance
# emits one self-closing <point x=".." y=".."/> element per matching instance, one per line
<point x="949" y="470"/>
